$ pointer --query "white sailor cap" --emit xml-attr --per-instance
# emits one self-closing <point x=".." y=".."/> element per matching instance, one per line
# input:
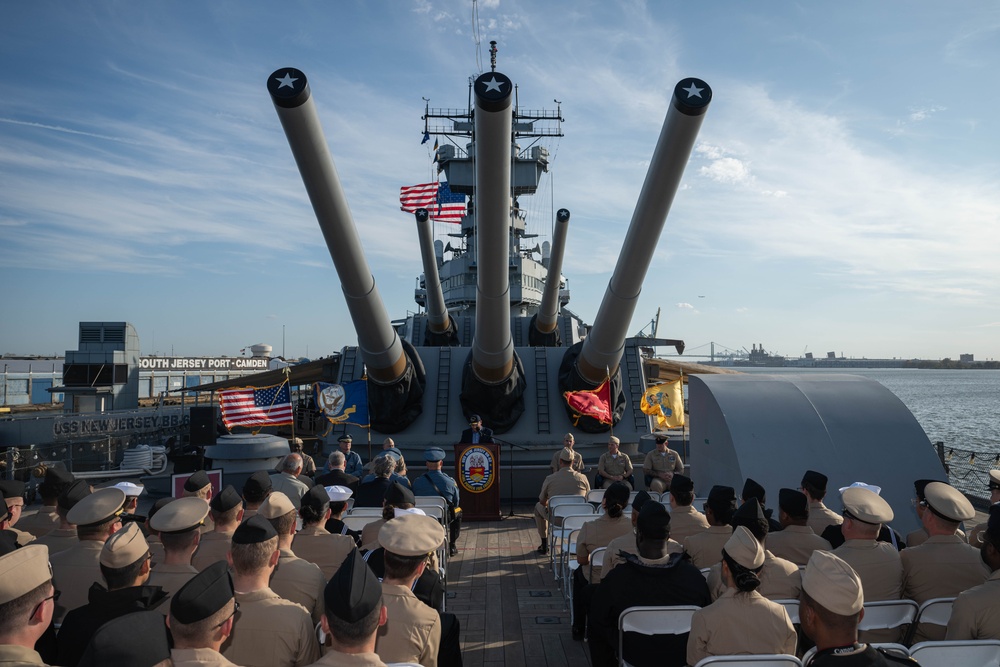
<point x="131" y="490"/>
<point x="338" y="494"/>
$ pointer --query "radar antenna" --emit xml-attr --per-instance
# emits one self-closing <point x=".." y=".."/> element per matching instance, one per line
<point x="493" y="55"/>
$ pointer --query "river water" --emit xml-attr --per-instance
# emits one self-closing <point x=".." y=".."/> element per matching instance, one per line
<point x="958" y="407"/>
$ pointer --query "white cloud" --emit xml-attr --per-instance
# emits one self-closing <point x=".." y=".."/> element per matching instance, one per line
<point x="685" y="305"/>
<point x="728" y="170"/>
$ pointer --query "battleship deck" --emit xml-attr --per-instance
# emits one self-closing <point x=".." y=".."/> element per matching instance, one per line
<point x="510" y="608"/>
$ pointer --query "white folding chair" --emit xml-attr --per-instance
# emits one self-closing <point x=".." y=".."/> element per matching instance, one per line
<point x="557" y="515"/>
<point x="596" y="562"/>
<point x="792" y="607"/>
<point x="699" y="504"/>
<point x="358" y="523"/>
<point x="936" y="611"/>
<point x="431" y="501"/>
<point x="438" y="513"/>
<point x="888" y="615"/>
<point x="957" y="653"/>
<point x="770" y="660"/>
<point x="650" y="621"/>
<point x="595" y="496"/>
<point x="567" y="554"/>
<point x="365" y="511"/>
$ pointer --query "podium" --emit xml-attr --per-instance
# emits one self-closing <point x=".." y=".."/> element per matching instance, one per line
<point x="477" y="470"/>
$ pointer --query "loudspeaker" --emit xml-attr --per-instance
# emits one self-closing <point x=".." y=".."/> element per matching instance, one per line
<point x="203" y="421"/>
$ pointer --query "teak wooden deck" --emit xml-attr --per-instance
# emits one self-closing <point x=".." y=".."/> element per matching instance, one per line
<point x="510" y="607"/>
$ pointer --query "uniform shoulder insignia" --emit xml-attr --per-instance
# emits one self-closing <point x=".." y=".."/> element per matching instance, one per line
<point x="895" y="658"/>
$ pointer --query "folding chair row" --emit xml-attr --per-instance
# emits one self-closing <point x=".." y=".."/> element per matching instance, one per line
<point x="557" y="514"/>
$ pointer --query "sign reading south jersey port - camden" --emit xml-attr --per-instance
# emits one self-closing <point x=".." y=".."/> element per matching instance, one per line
<point x="203" y="364"/>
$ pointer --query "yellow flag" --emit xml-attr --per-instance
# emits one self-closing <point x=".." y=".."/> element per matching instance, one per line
<point x="666" y="403"/>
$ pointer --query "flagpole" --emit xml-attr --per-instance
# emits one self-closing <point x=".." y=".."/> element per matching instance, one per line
<point x="684" y="437"/>
<point x="288" y="371"/>
<point x="364" y="376"/>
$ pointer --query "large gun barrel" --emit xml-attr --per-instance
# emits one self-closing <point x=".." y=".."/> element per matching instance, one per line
<point x="543" y="327"/>
<point x="440" y="328"/>
<point x="602" y="350"/>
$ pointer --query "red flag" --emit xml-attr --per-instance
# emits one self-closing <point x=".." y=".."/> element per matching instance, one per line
<point x="594" y="403"/>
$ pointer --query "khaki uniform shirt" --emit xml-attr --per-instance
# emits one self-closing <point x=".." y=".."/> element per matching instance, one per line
<point x="740" y="623"/>
<point x="780" y="579"/>
<point x="976" y="612"/>
<point x="290" y="485"/>
<point x="920" y="535"/>
<point x="369" y="534"/>
<point x="820" y="516"/>
<point x="271" y="632"/>
<point x="705" y="548"/>
<point x="668" y="461"/>
<point x="599" y="533"/>
<point x="59" y="539"/>
<point x="610" y="466"/>
<point x="213" y="547"/>
<point x="577" y="461"/>
<point x="195" y="657"/>
<point x="301" y="582"/>
<point x="41" y="522"/>
<point x="328" y="551"/>
<point x="566" y="482"/>
<point x="877" y="563"/>
<point x="338" y="659"/>
<point x="12" y="655"/>
<point x="686" y="521"/>
<point x="170" y="578"/>
<point x="155" y="549"/>
<point x="796" y="543"/>
<point x="626" y="543"/>
<point x="23" y="538"/>
<point x="73" y="572"/>
<point x="412" y="632"/>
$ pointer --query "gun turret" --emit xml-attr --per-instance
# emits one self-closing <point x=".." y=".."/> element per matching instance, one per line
<point x="441" y="329"/>
<point x="493" y="382"/>
<point x="396" y="381"/>
<point x="587" y="364"/>
<point x="543" y="330"/>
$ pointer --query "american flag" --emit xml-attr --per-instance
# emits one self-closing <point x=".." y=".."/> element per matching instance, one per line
<point x="252" y="406"/>
<point x="441" y="203"/>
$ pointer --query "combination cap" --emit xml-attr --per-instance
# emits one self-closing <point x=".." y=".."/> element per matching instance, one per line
<point x="254" y="530"/>
<point x="276" y="505"/>
<point x="866" y="506"/>
<point x="948" y="502"/>
<point x="345" y="438"/>
<point x="994" y="480"/>
<point x="73" y="494"/>
<point x="23" y="570"/>
<point x="180" y="516"/>
<point x="226" y="499"/>
<point x="197" y="481"/>
<point x="919" y="486"/>
<point x="833" y="584"/>
<point x="354" y="591"/>
<point x="434" y="454"/>
<point x="204" y="594"/>
<point x="100" y="506"/>
<point x="744" y="548"/>
<point x="124" y="547"/>
<point x="411" y="535"/>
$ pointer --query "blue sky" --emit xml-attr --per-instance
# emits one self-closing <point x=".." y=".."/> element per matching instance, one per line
<point x="843" y="195"/>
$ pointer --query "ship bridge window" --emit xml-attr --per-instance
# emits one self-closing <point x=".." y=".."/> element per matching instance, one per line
<point x="94" y="375"/>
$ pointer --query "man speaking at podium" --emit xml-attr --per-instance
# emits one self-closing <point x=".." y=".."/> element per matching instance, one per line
<point x="477" y="433"/>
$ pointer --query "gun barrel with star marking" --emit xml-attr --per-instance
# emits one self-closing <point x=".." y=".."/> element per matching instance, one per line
<point x="601" y="351"/>
<point x="389" y="361"/>
<point x="441" y="329"/>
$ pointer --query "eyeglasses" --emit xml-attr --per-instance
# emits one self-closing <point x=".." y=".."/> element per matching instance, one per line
<point x="236" y="608"/>
<point x="922" y="503"/>
<point x="54" y="597"/>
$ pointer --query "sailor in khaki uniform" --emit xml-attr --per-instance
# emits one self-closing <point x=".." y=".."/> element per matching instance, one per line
<point x="413" y="630"/>
<point x="660" y="465"/>
<point x="96" y="517"/>
<point x="741" y="620"/>
<point x="685" y="520"/>
<point x="178" y="524"/>
<point x="796" y="541"/>
<point x="565" y="482"/>
<point x="13" y="494"/>
<point x="27" y="601"/>
<point x="46" y="519"/>
<point x="619" y="548"/>
<point x="257" y="487"/>
<point x="201" y="618"/>
<point x="226" y="511"/>
<point x="944" y="565"/>
<point x="877" y="563"/>
<point x="613" y="466"/>
<point x="820" y="516"/>
<point x="294" y="579"/>
<point x="354" y="613"/>
<point x="975" y="535"/>
<point x="268" y="631"/>
<point x="919" y="536"/>
<point x="976" y="612"/>
<point x="64" y="536"/>
<point x="568" y="442"/>
<point x="314" y="543"/>
<point x="705" y="548"/>
<point x="152" y="537"/>
<point x="199" y="485"/>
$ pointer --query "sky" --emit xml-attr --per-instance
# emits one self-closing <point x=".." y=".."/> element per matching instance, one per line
<point x="843" y="194"/>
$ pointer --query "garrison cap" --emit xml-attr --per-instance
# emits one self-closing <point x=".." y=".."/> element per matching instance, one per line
<point x="180" y="516"/>
<point x="744" y="548"/>
<point x="752" y="489"/>
<point x="226" y="499"/>
<point x="157" y="506"/>
<point x="254" y="530"/>
<point x="919" y="486"/>
<point x="56" y="481"/>
<point x="993" y="525"/>
<point x="566" y="455"/>
<point x="833" y="584"/>
<point x="641" y="498"/>
<point x="399" y="494"/>
<point x="948" y="502"/>
<point x="994" y="480"/>
<point x="131" y="490"/>
<point x="73" y="494"/>
<point x="816" y="479"/>
<point x="124" y="547"/>
<point x="345" y="438"/>
<point x="681" y="484"/>
<point x="100" y="506"/>
<point x="204" y="594"/>
<point x="197" y="481"/>
<point x="354" y="591"/>
<point x="653" y="521"/>
<point x="23" y="570"/>
<point x="257" y="484"/>
<point x="411" y="535"/>
<point x="866" y="506"/>
<point x="11" y="488"/>
<point x="315" y="498"/>
<point x="434" y="454"/>
<point x="751" y="510"/>
<point x="138" y="639"/>
<point x="339" y="494"/>
<point x="793" y="503"/>
<point x="721" y="497"/>
<point x="276" y="505"/>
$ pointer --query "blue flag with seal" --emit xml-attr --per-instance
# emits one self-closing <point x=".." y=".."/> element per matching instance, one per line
<point x="343" y="403"/>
